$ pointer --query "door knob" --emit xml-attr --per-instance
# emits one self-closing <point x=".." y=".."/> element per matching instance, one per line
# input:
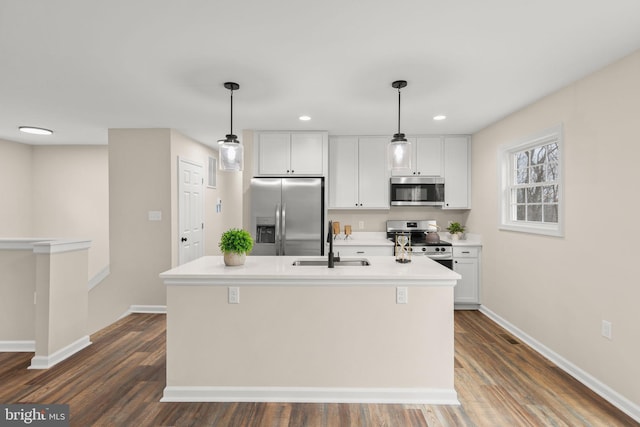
<point x="184" y="239"/>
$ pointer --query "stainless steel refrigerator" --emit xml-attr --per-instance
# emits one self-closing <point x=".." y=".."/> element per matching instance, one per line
<point x="287" y="216"/>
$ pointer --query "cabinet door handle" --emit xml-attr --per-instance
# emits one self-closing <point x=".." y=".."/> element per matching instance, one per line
<point x="465" y="252"/>
<point x="359" y="252"/>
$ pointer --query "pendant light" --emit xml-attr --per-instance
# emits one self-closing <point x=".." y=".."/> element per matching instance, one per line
<point x="399" y="150"/>
<point x="231" y="151"/>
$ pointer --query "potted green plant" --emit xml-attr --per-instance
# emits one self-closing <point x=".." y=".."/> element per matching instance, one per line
<point x="235" y="244"/>
<point x="456" y="230"/>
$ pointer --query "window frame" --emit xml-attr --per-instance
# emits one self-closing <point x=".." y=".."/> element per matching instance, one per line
<point x="212" y="173"/>
<point x="506" y="174"/>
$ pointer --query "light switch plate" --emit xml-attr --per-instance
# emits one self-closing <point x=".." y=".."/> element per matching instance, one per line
<point x="155" y="215"/>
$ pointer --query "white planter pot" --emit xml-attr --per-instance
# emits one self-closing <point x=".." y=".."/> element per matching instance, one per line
<point x="232" y="259"/>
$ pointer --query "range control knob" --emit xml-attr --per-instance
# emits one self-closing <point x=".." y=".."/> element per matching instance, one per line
<point x="424" y="249"/>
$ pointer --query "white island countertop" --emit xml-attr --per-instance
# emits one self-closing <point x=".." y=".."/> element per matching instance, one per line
<point x="280" y="271"/>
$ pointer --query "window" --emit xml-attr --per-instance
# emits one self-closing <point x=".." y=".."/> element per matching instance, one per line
<point x="531" y="184"/>
<point x="213" y="169"/>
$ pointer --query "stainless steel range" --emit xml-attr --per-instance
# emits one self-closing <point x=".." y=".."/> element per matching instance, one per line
<point x="436" y="249"/>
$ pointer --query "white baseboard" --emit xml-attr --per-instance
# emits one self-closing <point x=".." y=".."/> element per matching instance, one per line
<point x="17" y="346"/>
<point x="102" y="274"/>
<point x="426" y="396"/>
<point x="45" y="362"/>
<point x="154" y="309"/>
<point x="158" y="309"/>
<point x="606" y="392"/>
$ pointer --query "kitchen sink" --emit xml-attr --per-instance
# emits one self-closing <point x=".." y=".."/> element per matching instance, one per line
<point x="346" y="262"/>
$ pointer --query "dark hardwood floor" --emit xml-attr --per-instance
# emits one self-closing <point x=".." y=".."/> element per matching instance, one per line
<point x="118" y="381"/>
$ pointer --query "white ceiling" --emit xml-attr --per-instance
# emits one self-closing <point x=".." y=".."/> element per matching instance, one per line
<point x="80" y="67"/>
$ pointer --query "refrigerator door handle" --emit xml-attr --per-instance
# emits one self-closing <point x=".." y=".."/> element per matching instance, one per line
<point x="284" y="227"/>
<point x="277" y="229"/>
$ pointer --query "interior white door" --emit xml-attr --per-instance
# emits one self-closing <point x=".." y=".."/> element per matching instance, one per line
<point x="190" y="210"/>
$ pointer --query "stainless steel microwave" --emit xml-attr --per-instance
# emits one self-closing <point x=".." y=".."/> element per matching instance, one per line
<point x="416" y="191"/>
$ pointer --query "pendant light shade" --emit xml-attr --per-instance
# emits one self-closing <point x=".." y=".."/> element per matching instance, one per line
<point x="399" y="150"/>
<point x="231" y="151"/>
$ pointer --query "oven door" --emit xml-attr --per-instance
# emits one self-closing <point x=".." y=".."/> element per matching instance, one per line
<point x="446" y="262"/>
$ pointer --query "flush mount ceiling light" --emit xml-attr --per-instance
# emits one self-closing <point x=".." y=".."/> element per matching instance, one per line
<point x="35" y="130"/>
<point x="231" y="151"/>
<point x="399" y="154"/>
<point x="439" y="117"/>
<point x="304" y="118"/>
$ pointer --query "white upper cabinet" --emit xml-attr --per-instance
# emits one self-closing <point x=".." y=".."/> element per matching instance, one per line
<point x="343" y="172"/>
<point x="457" y="165"/>
<point x="426" y="157"/>
<point x="358" y="177"/>
<point x="373" y="178"/>
<point x="291" y="153"/>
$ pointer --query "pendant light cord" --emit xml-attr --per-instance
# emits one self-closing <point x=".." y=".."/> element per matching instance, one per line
<point x="398" y="110"/>
<point x="231" y="131"/>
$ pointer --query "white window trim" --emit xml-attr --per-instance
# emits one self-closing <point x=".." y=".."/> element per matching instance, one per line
<point x="212" y="175"/>
<point x="504" y="152"/>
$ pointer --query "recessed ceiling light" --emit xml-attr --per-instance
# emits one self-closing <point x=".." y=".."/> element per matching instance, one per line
<point x="35" y="130"/>
<point x="439" y="117"/>
<point x="305" y="118"/>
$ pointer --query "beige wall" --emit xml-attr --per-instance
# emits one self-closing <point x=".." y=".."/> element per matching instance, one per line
<point x="16" y="184"/>
<point x="139" y="182"/>
<point x="558" y="290"/>
<point x="228" y="189"/>
<point x="61" y="314"/>
<point x="71" y="197"/>
<point x="142" y="178"/>
<point x="104" y="193"/>
<point x="17" y="285"/>
<point x="56" y="192"/>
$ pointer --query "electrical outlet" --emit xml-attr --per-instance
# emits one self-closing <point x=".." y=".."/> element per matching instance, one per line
<point x="360" y="225"/>
<point x="606" y="329"/>
<point x="234" y="295"/>
<point x="402" y="295"/>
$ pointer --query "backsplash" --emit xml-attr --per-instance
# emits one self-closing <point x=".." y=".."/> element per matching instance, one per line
<point x="376" y="220"/>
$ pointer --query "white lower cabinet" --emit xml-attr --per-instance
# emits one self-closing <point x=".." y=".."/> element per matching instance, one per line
<point x="466" y="262"/>
<point x="361" y="251"/>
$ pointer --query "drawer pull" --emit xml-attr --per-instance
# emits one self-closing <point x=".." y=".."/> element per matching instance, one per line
<point x="466" y="252"/>
<point x="359" y="252"/>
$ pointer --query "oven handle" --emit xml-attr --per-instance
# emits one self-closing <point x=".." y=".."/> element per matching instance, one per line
<point x="440" y="256"/>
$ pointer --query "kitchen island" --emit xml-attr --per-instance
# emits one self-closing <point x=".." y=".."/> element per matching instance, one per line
<point x="274" y="331"/>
